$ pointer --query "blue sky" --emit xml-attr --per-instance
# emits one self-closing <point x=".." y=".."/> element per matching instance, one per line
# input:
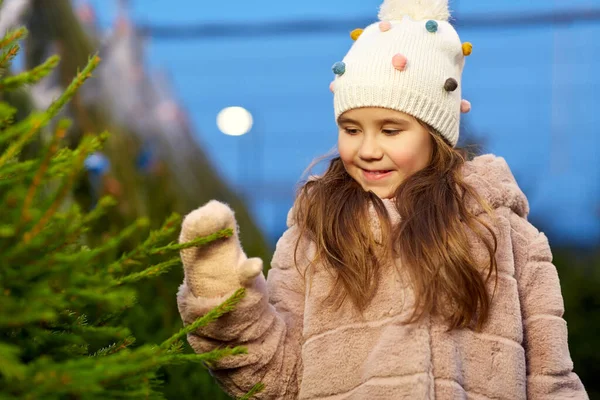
<point x="533" y="89"/>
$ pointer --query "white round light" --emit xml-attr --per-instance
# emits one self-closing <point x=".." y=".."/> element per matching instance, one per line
<point x="234" y="121"/>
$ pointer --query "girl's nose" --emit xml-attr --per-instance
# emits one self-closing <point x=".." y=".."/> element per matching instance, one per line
<point x="370" y="149"/>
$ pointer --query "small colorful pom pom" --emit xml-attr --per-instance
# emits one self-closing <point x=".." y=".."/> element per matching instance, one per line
<point x="467" y="48"/>
<point x="339" y="68"/>
<point x="465" y="106"/>
<point x="385" y="26"/>
<point x="355" y="34"/>
<point x="331" y="86"/>
<point x="399" y="62"/>
<point x="451" y="85"/>
<point x="431" y="26"/>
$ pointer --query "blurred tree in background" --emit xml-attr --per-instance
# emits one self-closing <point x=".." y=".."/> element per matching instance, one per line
<point x="579" y="272"/>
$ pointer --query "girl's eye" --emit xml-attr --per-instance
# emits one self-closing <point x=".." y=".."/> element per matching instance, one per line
<point x="351" y="131"/>
<point x="391" y="132"/>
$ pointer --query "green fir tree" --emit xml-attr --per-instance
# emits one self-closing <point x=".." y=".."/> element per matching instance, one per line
<point x="63" y="296"/>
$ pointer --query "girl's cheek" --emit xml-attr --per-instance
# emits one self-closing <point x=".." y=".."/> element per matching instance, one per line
<point x="407" y="154"/>
<point x="345" y="150"/>
<point x="403" y="159"/>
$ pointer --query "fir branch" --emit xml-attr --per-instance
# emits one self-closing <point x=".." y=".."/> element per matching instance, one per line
<point x="103" y="204"/>
<point x="74" y="86"/>
<point x="94" y="374"/>
<point x="205" y="358"/>
<point x="20" y="127"/>
<point x="138" y="392"/>
<point x="224" y="308"/>
<point x="110" y="244"/>
<point x="59" y="133"/>
<point x="23" y="316"/>
<point x="107" y="317"/>
<point x="101" y="332"/>
<point x="29" y="77"/>
<point x="115" y="347"/>
<point x="176" y="347"/>
<point x="60" y="165"/>
<point x="12" y="36"/>
<point x="7" y="114"/>
<point x="32" y="125"/>
<point x="144" y="250"/>
<point x="81" y="297"/>
<point x="256" y="389"/>
<point x="10" y="363"/>
<point x="85" y="148"/>
<point x="201" y="241"/>
<point x="79" y="226"/>
<point x="150" y="272"/>
<point x="16" y="171"/>
<point x="8" y="55"/>
<point x="36" y="121"/>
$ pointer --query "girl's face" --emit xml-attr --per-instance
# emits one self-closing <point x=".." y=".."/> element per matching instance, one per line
<point x="381" y="147"/>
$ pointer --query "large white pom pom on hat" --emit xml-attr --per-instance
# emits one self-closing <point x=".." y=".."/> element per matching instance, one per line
<point x="417" y="10"/>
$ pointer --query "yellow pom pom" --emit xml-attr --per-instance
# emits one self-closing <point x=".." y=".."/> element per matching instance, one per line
<point x="356" y="33"/>
<point x="467" y="48"/>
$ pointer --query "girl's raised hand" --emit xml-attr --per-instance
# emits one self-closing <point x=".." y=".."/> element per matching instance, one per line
<point x="214" y="269"/>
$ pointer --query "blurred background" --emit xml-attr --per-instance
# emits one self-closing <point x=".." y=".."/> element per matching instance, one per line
<point x="531" y="81"/>
<point x="230" y="100"/>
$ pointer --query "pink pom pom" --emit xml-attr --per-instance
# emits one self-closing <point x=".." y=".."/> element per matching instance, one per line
<point x="385" y="26"/>
<point x="331" y="86"/>
<point x="399" y="62"/>
<point x="465" y="106"/>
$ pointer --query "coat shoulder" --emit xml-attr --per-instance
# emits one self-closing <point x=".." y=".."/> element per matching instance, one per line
<point x="493" y="180"/>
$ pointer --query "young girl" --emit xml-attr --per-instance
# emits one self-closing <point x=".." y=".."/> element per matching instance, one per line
<point x="407" y="272"/>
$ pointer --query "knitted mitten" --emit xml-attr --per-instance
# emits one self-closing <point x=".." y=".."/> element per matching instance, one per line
<point x="221" y="266"/>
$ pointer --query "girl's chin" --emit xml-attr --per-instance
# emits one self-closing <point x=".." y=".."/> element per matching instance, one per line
<point x="381" y="192"/>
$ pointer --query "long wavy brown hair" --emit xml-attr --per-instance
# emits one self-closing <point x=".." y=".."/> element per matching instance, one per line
<point x="430" y="239"/>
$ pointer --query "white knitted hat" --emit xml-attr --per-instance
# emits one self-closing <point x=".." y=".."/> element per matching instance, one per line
<point x="411" y="61"/>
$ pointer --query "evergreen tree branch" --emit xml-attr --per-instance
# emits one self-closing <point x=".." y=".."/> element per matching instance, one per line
<point x="143" y="251"/>
<point x="201" y="241"/>
<point x="256" y="389"/>
<point x="115" y="347"/>
<point x="14" y="172"/>
<point x="110" y="244"/>
<point x="31" y="125"/>
<point x="17" y="129"/>
<point x="59" y="133"/>
<point x="60" y="165"/>
<point x="7" y="114"/>
<point x="8" y="55"/>
<point x="206" y="358"/>
<point x="107" y="317"/>
<point x="29" y="77"/>
<point x="12" y="36"/>
<point x="10" y="363"/>
<point x="20" y="315"/>
<point x="150" y="272"/>
<point x="62" y="192"/>
<point x="147" y="250"/>
<point x="74" y="86"/>
<point x="36" y="121"/>
<point x="79" y="226"/>
<point x="224" y="308"/>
